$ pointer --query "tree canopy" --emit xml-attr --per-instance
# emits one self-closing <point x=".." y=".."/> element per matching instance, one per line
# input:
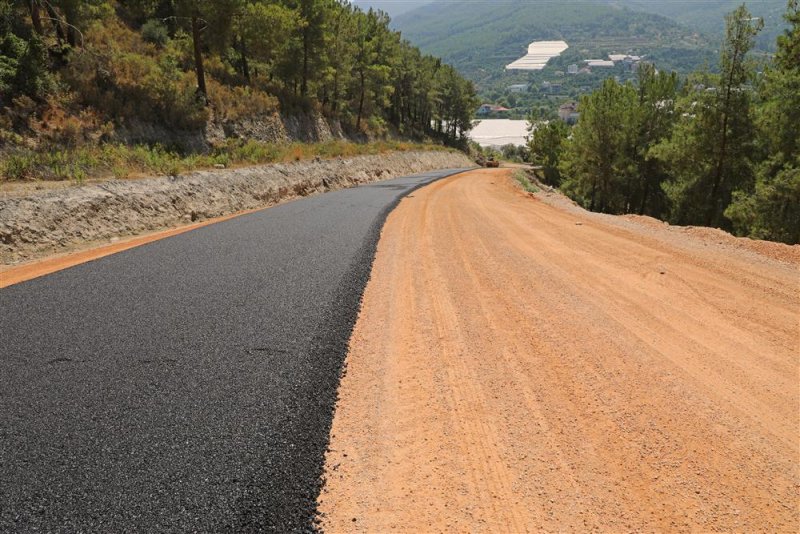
<point x="715" y="149"/>
<point x="132" y="59"/>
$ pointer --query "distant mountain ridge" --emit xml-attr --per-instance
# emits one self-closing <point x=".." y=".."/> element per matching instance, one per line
<point x="705" y="16"/>
<point x="480" y="38"/>
<point x="709" y="15"/>
<point x="393" y="7"/>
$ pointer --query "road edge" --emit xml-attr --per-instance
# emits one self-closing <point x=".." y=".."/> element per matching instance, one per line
<point x="332" y="347"/>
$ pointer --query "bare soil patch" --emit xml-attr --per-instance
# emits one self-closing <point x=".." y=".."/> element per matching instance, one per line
<point x="522" y="365"/>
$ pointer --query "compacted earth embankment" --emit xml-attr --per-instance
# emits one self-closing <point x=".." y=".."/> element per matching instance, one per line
<point x="46" y="223"/>
<point x="522" y="365"/>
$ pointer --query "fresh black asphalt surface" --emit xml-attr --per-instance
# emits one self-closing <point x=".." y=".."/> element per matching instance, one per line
<point x="187" y="385"/>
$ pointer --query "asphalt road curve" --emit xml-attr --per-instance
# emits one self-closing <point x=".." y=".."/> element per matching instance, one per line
<point x="188" y="384"/>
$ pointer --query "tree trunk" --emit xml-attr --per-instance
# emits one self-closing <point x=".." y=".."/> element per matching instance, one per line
<point x="335" y="97"/>
<point x="245" y="63"/>
<point x="56" y="20"/>
<point x="198" y="61"/>
<point x="712" y="208"/>
<point x="71" y="18"/>
<point x="304" y="85"/>
<point x="645" y="194"/>
<point x="36" y="19"/>
<point x="72" y="35"/>
<point x="361" y="100"/>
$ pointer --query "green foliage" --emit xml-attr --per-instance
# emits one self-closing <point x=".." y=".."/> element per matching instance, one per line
<point x="546" y="147"/>
<point x="772" y="209"/>
<point x="24" y="67"/>
<point x="121" y="161"/>
<point x="154" y="31"/>
<point x="481" y="38"/>
<point x="711" y="149"/>
<point x="130" y="80"/>
<point x="597" y="159"/>
<point x="524" y="180"/>
<point x="179" y="64"/>
<point x="721" y="151"/>
<point x="708" y="15"/>
<point x="18" y="166"/>
<point x="514" y="153"/>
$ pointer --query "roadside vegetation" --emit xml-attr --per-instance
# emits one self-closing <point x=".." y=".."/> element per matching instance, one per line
<point x="130" y="85"/>
<point x="714" y="149"/>
<point x="119" y="161"/>
<point x="524" y="180"/>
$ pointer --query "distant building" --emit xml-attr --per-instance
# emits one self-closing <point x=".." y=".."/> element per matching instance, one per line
<point x="572" y="69"/>
<point x="616" y="58"/>
<point x="518" y="88"/>
<point x="569" y="112"/>
<point x="551" y="88"/>
<point x="601" y="63"/>
<point x="488" y="109"/>
<point x="629" y="61"/>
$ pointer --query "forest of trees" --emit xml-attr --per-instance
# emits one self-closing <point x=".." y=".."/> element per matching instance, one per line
<point x="718" y="149"/>
<point x="179" y="62"/>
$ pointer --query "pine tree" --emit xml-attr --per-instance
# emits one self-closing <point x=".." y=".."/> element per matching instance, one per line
<point x="597" y="158"/>
<point x="546" y="145"/>
<point x="772" y="210"/>
<point x="711" y="150"/>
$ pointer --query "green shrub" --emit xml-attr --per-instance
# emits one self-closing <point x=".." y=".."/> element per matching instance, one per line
<point x="19" y="166"/>
<point x="154" y="31"/>
<point x="524" y="180"/>
<point x="120" y="161"/>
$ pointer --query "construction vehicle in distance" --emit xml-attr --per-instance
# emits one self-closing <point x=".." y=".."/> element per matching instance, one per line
<point x="488" y="162"/>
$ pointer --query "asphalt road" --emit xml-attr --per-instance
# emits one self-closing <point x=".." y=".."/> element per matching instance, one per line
<point x="188" y="384"/>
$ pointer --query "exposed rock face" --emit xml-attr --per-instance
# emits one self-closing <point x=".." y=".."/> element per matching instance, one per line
<point x="49" y="222"/>
<point x="268" y="128"/>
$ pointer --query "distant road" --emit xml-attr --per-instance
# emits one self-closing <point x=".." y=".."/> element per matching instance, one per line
<point x="186" y="385"/>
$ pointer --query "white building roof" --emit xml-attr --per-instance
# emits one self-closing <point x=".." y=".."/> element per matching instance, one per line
<point x="539" y="53"/>
<point x="599" y="63"/>
<point x="623" y="57"/>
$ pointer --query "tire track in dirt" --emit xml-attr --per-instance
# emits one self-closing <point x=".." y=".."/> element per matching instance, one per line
<point x="522" y="366"/>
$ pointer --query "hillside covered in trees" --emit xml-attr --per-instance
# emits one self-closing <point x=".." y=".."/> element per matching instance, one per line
<point x="708" y="16"/>
<point x="713" y="149"/>
<point x="480" y="38"/>
<point x="170" y="72"/>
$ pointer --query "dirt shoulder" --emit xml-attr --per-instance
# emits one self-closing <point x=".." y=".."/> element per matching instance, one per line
<point x="51" y="222"/>
<point x="524" y="366"/>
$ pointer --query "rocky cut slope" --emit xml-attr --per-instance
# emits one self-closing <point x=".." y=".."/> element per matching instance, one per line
<point x="45" y="223"/>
